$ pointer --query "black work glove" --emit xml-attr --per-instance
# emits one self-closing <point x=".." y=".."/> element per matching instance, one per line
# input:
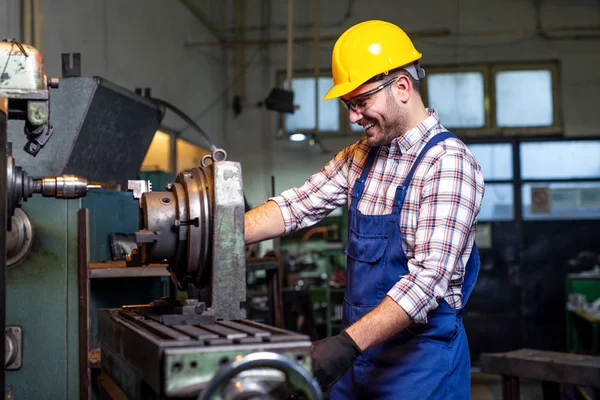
<point x="331" y="358"/>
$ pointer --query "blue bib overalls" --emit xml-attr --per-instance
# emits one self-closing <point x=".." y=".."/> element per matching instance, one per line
<point x="424" y="361"/>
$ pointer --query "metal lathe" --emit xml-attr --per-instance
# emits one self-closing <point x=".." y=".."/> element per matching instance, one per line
<point x="200" y="346"/>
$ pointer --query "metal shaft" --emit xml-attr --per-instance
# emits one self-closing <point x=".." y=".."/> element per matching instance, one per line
<point x="62" y="186"/>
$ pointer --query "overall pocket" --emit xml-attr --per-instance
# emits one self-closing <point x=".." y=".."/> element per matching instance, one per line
<point x="365" y="268"/>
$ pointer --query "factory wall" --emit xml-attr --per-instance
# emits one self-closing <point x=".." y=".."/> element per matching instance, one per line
<point x="135" y="44"/>
<point x="10" y="24"/>
<point x="140" y="43"/>
<point x="253" y="134"/>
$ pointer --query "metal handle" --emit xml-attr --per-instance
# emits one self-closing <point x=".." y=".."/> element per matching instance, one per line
<point x="296" y="374"/>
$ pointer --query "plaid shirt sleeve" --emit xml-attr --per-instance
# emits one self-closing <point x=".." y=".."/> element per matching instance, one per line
<point x="450" y="201"/>
<point x="318" y="196"/>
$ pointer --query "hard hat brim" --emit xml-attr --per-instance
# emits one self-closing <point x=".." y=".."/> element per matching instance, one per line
<point x="341" y="89"/>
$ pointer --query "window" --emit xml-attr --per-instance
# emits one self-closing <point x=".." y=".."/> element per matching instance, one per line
<point x="459" y="98"/>
<point x="308" y="96"/>
<point x="561" y="200"/>
<point x="485" y="99"/>
<point x="157" y="156"/>
<point x="498" y="203"/>
<point x="561" y="179"/>
<point x="560" y="160"/>
<point x="524" y="98"/>
<point x="496" y="160"/>
<point x="492" y="99"/>
<point x="189" y="155"/>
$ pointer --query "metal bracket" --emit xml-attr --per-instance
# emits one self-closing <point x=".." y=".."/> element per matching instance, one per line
<point x="71" y="70"/>
<point x="138" y="187"/>
<point x="13" y="338"/>
<point x="37" y="138"/>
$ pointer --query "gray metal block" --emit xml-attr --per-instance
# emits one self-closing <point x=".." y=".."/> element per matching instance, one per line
<point x="229" y="260"/>
<point x="101" y="131"/>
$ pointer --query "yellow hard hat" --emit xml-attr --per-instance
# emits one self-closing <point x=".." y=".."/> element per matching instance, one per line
<point x="365" y="50"/>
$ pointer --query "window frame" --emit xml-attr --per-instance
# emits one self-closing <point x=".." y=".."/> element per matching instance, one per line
<point x="489" y="70"/>
<point x="344" y="123"/>
<point x="518" y="182"/>
<point x="486" y="93"/>
<point x="490" y="128"/>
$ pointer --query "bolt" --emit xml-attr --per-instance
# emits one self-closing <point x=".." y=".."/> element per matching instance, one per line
<point x="176" y="367"/>
<point x="53" y="83"/>
<point x="169" y="186"/>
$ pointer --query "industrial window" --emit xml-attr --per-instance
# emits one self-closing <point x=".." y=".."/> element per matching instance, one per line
<point x="498" y="203"/>
<point x="560" y="159"/>
<point x="495" y="99"/>
<point x="496" y="160"/>
<point x="189" y="155"/>
<point x="478" y="100"/>
<point x="561" y="179"/>
<point x="459" y="98"/>
<point x="561" y="200"/>
<point x="158" y="156"/>
<point x="524" y="98"/>
<point x="308" y="97"/>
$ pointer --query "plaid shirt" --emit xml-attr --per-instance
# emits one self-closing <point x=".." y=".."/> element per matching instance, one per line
<point x="438" y="218"/>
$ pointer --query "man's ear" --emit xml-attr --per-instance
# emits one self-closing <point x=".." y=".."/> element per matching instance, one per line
<point x="403" y="87"/>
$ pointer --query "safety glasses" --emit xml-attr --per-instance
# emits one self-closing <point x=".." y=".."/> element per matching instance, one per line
<point x="362" y="102"/>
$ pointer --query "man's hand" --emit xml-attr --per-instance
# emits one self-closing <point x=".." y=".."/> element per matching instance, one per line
<point x="331" y="358"/>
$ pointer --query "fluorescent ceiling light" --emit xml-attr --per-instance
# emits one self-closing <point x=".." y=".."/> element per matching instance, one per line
<point x="297" y="137"/>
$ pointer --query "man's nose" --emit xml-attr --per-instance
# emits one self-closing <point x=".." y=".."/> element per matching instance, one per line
<point x="354" y="116"/>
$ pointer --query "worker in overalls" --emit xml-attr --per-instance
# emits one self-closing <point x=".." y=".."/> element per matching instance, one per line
<point x="414" y="192"/>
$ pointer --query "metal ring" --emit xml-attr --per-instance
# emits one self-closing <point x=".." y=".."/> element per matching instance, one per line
<point x="20" y="237"/>
<point x="182" y="215"/>
<point x="219" y="155"/>
<point x="204" y="179"/>
<point x="205" y="158"/>
<point x="194" y="204"/>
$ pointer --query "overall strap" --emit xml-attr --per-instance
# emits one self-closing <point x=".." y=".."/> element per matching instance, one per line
<point x="432" y="142"/>
<point x="401" y="189"/>
<point x="359" y="185"/>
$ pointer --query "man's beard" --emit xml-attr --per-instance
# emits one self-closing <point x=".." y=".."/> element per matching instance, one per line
<point x="390" y="128"/>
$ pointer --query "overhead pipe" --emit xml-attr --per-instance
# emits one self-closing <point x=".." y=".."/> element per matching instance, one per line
<point x="302" y="40"/>
<point x="281" y="27"/>
<point x="543" y="33"/>
<point x="441" y="33"/>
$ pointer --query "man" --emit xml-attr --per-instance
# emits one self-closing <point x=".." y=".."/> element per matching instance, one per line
<point x="414" y="193"/>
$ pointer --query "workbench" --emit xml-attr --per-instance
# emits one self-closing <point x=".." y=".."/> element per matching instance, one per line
<point x="551" y="368"/>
